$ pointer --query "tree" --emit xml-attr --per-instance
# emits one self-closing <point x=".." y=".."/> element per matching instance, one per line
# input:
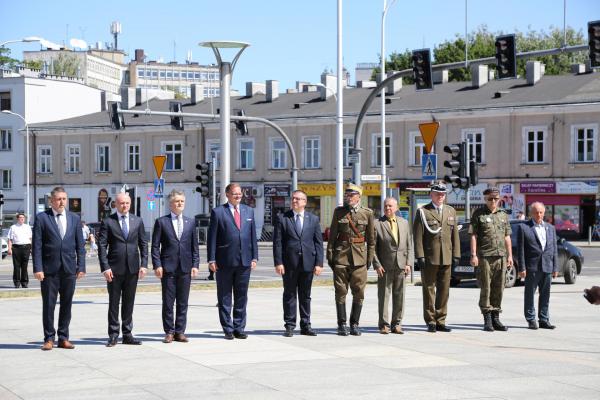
<point x="34" y="64"/>
<point x="65" y="65"/>
<point x="5" y="60"/>
<point x="397" y="62"/>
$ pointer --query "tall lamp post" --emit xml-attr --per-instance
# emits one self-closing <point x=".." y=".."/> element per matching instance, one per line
<point x="225" y="71"/>
<point x="26" y="156"/>
<point x="386" y="7"/>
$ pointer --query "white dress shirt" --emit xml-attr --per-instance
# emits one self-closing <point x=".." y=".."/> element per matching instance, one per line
<point x="540" y="231"/>
<point x="61" y="221"/>
<point x="20" y="234"/>
<point x="174" y="218"/>
<point x="123" y="221"/>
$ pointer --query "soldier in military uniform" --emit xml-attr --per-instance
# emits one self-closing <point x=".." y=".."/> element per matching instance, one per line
<point x="491" y="254"/>
<point x="437" y="246"/>
<point x="349" y="252"/>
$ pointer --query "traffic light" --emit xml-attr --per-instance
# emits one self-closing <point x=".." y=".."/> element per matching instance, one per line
<point x="506" y="56"/>
<point x="241" y="126"/>
<point x="117" y="121"/>
<point x="473" y="175"/>
<point x="421" y="61"/>
<point x="176" y="122"/>
<point x="594" y="42"/>
<point x="1" y="199"/>
<point x="205" y="179"/>
<point x="458" y="165"/>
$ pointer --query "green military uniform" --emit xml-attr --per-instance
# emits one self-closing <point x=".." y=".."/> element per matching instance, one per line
<point x="350" y="251"/>
<point x="438" y="245"/>
<point x="490" y="229"/>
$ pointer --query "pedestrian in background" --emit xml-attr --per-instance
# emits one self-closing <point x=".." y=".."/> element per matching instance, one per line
<point x="19" y="246"/>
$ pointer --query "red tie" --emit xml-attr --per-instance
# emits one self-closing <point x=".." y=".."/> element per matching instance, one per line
<point x="236" y="217"/>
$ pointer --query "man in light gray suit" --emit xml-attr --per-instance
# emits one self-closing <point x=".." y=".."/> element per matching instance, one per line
<point x="392" y="262"/>
<point x="538" y="264"/>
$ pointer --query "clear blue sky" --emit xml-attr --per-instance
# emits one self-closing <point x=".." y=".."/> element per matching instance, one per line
<point x="290" y="40"/>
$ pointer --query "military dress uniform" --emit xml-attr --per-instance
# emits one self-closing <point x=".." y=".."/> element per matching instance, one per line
<point x="350" y="251"/>
<point x="437" y="247"/>
<point x="491" y="229"/>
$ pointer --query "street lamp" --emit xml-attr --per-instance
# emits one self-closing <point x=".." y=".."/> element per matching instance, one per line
<point x="26" y="155"/>
<point x="225" y="71"/>
<point x="27" y="39"/>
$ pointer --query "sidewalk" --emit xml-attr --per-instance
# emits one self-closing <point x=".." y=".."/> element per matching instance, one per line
<point x="464" y="364"/>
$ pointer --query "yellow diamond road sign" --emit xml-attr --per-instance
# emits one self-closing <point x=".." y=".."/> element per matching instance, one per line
<point x="159" y="164"/>
<point x="428" y="133"/>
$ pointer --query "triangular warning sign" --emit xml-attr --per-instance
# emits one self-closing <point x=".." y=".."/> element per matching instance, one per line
<point x="159" y="164"/>
<point x="428" y="133"/>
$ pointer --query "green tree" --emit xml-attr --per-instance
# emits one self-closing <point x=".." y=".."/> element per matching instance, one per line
<point x="397" y="62"/>
<point x="34" y="64"/>
<point x="5" y="59"/>
<point x="65" y="65"/>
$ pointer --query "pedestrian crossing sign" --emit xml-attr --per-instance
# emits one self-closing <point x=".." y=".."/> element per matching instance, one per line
<point x="159" y="187"/>
<point x="429" y="166"/>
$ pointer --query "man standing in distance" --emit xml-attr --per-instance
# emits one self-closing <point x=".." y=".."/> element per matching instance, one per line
<point x="350" y="251"/>
<point x="123" y="256"/>
<point x="491" y="253"/>
<point x="58" y="261"/>
<point x="175" y="258"/>
<point x="19" y="246"/>
<point x="437" y="246"/>
<point x="298" y="255"/>
<point x="392" y="262"/>
<point x="232" y="253"/>
<point x="538" y="264"/>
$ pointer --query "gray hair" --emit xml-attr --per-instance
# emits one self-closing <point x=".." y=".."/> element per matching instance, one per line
<point x="56" y="190"/>
<point x="175" y="192"/>
<point x="537" y="204"/>
<point x="389" y="198"/>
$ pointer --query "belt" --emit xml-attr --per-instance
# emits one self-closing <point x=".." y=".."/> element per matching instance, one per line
<point x="344" y="237"/>
<point x="21" y="245"/>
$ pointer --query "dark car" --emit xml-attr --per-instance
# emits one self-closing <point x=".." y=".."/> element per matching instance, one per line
<point x="570" y="259"/>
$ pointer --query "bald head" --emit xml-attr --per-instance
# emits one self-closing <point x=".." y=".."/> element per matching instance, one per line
<point x="537" y="212"/>
<point x="123" y="202"/>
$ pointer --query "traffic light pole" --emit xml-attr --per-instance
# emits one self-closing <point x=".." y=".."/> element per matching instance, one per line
<point x="468" y="176"/>
<point x="213" y="177"/>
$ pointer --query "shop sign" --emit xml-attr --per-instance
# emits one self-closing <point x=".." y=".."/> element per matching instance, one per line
<point x="457" y="196"/>
<point x="590" y="187"/>
<point x="318" y="189"/>
<point x="277" y="191"/>
<point x="537" y="187"/>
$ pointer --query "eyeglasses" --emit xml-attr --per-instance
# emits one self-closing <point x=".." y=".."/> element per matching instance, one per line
<point x="493" y="199"/>
<point x="299" y="198"/>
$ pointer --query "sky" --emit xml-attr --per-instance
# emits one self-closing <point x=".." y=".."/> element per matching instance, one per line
<point x="290" y="40"/>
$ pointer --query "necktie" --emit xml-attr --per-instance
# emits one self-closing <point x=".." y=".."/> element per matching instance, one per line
<point x="394" y="230"/>
<point x="124" y="227"/>
<point x="439" y="211"/>
<point x="236" y="217"/>
<point x="61" y="228"/>
<point x="298" y="224"/>
<point x="179" y="227"/>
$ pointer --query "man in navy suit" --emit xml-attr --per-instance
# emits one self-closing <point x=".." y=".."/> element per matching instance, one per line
<point x="298" y="255"/>
<point x="58" y="261"/>
<point x="175" y="259"/>
<point x="123" y="256"/>
<point x="232" y="254"/>
<point x="538" y="264"/>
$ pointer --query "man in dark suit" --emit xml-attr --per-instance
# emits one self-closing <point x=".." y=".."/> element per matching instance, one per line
<point x="538" y="264"/>
<point x="298" y="255"/>
<point x="123" y="256"/>
<point x="58" y="261"/>
<point x="232" y="254"/>
<point x="175" y="259"/>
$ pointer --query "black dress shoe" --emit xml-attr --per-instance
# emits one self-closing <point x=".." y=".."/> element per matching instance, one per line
<point x="112" y="341"/>
<point x="289" y="332"/>
<point x="431" y="328"/>
<point x="546" y="325"/>
<point x="131" y="340"/>
<point x="17" y="285"/>
<point x="228" y="336"/>
<point x="442" y="328"/>
<point x="24" y="285"/>
<point x="531" y="324"/>
<point x="308" y="332"/>
<point x="240" y="335"/>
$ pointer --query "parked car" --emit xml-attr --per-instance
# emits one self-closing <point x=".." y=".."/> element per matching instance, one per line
<point x="570" y="259"/>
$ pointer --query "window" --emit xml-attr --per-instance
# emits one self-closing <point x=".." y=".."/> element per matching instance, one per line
<point x="44" y="159"/>
<point x="347" y="145"/>
<point x="213" y="150"/>
<point x="5" y="139"/>
<point x="73" y="152"/>
<point x="5" y="179"/>
<point x="174" y="153"/>
<point x="584" y="139"/>
<point x="5" y="103"/>
<point x="312" y="152"/>
<point x="417" y="148"/>
<point x="141" y="72"/>
<point x="534" y="144"/>
<point x="102" y="157"/>
<point x="132" y="157"/>
<point x="475" y="137"/>
<point x="376" y="149"/>
<point x="278" y="154"/>
<point x="246" y="160"/>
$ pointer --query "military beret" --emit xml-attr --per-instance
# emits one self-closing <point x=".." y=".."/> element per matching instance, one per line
<point x="491" y="190"/>
<point x="438" y="187"/>
<point x="353" y="188"/>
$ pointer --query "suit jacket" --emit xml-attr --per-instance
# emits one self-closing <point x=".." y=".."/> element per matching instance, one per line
<point x="50" y="252"/>
<point x="439" y="248"/>
<point x="531" y="255"/>
<point x="227" y="245"/>
<point x="389" y="254"/>
<point x="290" y="246"/>
<point x="122" y="255"/>
<point x="169" y="252"/>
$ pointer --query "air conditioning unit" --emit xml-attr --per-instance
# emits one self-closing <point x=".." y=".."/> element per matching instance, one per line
<point x="256" y="192"/>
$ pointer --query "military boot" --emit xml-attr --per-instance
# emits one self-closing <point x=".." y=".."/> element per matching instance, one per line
<point x="354" y="318"/>
<point x="487" y="322"/>
<point x="342" y="329"/>
<point x="499" y="326"/>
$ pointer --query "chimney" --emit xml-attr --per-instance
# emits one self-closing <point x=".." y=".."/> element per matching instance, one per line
<point x="533" y="72"/>
<point x="395" y="86"/>
<point x="138" y="96"/>
<point x="139" y="55"/>
<point x="253" y="88"/>
<point x="272" y="90"/>
<point x="127" y="97"/>
<point x="197" y="93"/>
<point x="479" y="75"/>
<point x="366" y="84"/>
<point x="440" y="77"/>
<point x="331" y="82"/>
<point x="103" y="100"/>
